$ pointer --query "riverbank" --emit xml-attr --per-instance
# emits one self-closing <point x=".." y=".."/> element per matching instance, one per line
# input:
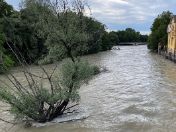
<point x="170" y="56"/>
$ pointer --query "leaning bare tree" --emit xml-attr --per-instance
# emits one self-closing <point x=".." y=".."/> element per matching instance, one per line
<point x="36" y="99"/>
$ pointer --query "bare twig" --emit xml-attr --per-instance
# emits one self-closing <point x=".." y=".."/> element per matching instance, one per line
<point x="7" y="121"/>
<point x="71" y="107"/>
<point x="35" y="75"/>
<point x="49" y="79"/>
<point x="53" y="71"/>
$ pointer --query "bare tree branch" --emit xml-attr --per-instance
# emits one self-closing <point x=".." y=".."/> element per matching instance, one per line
<point x="7" y="121"/>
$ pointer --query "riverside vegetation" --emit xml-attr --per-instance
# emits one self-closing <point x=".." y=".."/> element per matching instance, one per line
<point x="65" y="27"/>
<point x="159" y="33"/>
<point x="36" y="31"/>
<point x="43" y="32"/>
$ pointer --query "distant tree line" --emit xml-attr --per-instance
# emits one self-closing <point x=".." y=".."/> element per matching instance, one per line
<point x="159" y="31"/>
<point x="127" y="35"/>
<point x="130" y="35"/>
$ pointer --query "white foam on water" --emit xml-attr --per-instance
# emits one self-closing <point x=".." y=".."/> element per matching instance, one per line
<point x="77" y="115"/>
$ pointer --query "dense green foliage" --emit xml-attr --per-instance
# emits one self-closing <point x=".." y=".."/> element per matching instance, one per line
<point x="97" y="31"/>
<point x="159" y="31"/>
<point x="5" y="59"/>
<point x="130" y="35"/>
<point x="5" y="9"/>
<point x="37" y="33"/>
<point x="109" y="38"/>
<point x="127" y="35"/>
<point x="62" y="33"/>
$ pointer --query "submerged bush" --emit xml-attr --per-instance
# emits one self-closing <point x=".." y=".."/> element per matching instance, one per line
<point x="41" y="102"/>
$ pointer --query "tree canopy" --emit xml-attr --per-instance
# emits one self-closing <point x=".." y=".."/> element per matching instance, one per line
<point x="5" y="9"/>
<point x="115" y="37"/>
<point x="159" y="31"/>
<point x="130" y="35"/>
<point x="38" y="32"/>
<point x="5" y="59"/>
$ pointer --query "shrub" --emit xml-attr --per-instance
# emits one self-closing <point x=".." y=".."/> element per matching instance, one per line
<point x="41" y="103"/>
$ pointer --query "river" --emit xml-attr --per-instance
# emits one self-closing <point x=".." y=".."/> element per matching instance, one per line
<point x="138" y="93"/>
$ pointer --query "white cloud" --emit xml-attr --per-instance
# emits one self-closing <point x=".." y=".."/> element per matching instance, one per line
<point x="145" y="32"/>
<point x="136" y="13"/>
<point x="128" y="11"/>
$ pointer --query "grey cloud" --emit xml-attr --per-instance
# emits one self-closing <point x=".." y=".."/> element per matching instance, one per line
<point x="128" y="11"/>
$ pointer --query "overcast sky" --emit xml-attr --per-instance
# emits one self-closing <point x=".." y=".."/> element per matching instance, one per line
<point x="120" y="14"/>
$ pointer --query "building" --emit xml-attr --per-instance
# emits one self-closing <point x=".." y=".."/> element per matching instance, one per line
<point x="171" y="47"/>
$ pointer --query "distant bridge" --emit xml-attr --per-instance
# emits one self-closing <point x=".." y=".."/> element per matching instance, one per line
<point x="133" y="43"/>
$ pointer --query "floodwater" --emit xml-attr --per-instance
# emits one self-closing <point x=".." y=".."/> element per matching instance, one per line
<point x="137" y="94"/>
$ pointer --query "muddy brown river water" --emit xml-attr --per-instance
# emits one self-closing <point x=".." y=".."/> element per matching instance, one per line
<point x="137" y="94"/>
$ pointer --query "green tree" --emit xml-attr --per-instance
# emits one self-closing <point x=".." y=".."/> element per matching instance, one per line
<point x="5" y="9"/>
<point x="143" y="38"/>
<point x="159" y="31"/>
<point x="109" y="40"/>
<point x="5" y="59"/>
<point x="96" y="31"/>
<point x="66" y="30"/>
<point x="107" y="43"/>
<point x="23" y="31"/>
<point x="38" y="31"/>
<point x="130" y="35"/>
<point x="114" y="39"/>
